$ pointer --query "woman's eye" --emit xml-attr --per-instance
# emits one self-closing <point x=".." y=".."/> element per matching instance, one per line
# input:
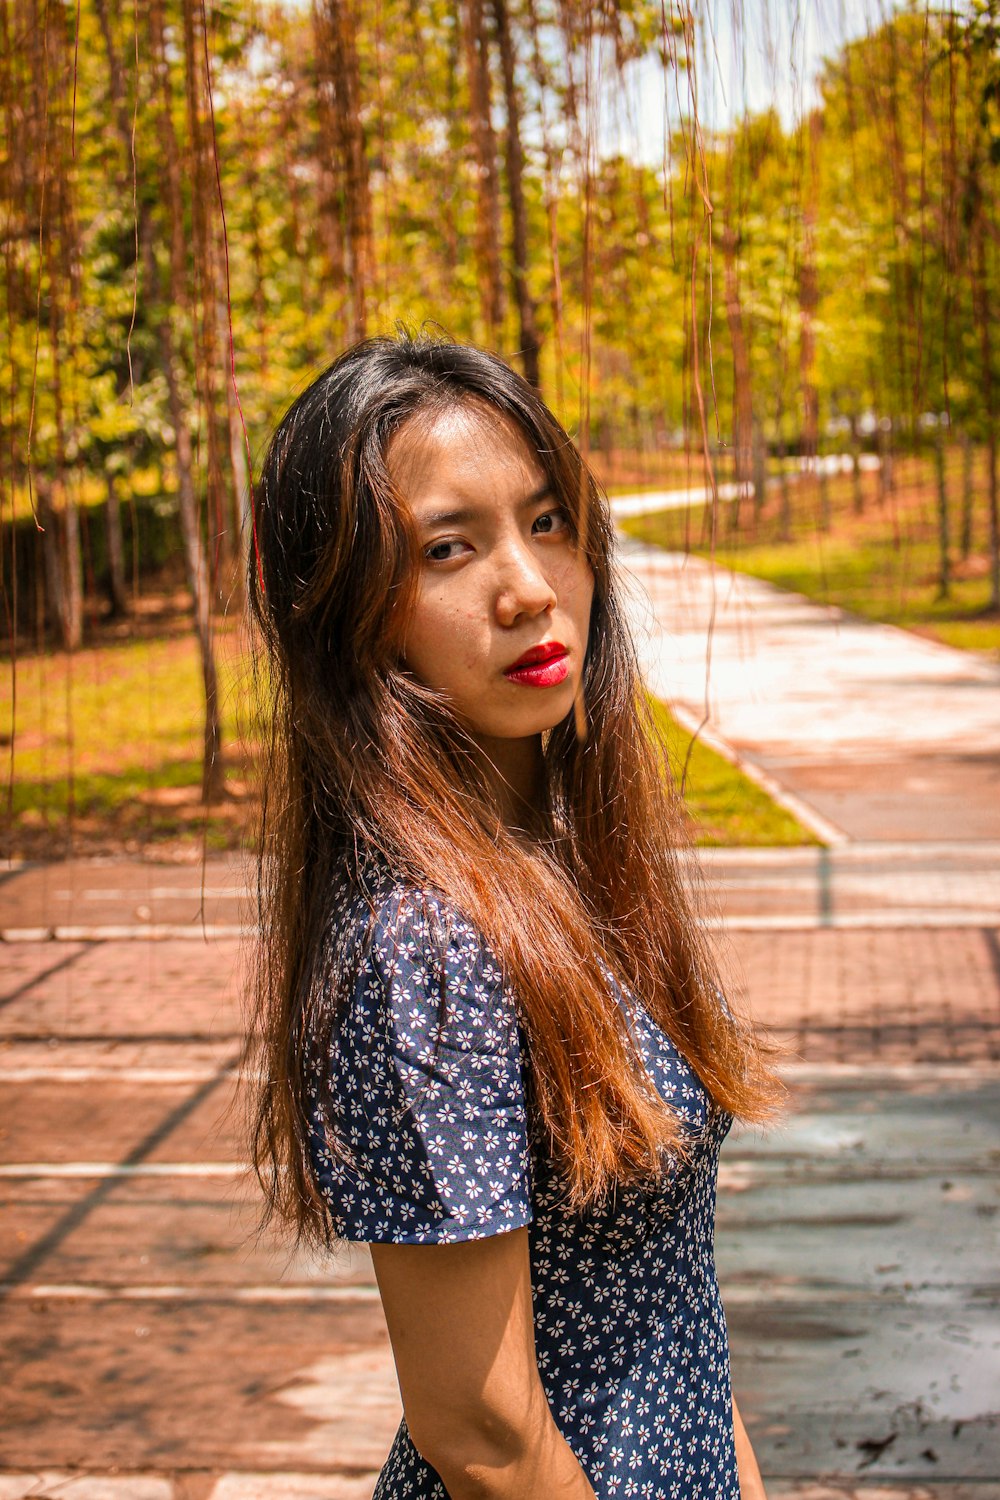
<point x="441" y="551"/>
<point x="551" y="521"/>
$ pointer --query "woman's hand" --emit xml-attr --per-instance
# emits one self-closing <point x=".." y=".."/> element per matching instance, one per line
<point x="460" y="1323"/>
<point x="751" y="1484"/>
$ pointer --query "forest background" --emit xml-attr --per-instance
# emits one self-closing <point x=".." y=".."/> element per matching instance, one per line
<point x="203" y="203"/>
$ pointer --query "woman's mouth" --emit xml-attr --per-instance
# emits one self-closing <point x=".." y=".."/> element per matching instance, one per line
<point x="541" y="666"/>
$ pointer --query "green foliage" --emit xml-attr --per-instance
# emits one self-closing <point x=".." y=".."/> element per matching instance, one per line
<point x="841" y="270"/>
<point x="874" y="190"/>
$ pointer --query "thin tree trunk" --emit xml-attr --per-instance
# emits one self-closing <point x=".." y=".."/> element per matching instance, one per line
<point x="241" y="519"/>
<point x="991" y="489"/>
<point x="823" y="478"/>
<point x="856" y="485"/>
<point x="944" y="536"/>
<point x="530" y="341"/>
<point x="742" y="396"/>
<point x="55" y="586"/>
<point x="808" y="303"/>
<point x="67" y="534"/>
<point x="540" y="72"/>
<point x="339" y="81"/>
<point x="981" y="302"/>
<point x="485" y="156"/>
<point x="967" y="495"/>
<point x="73" y="633"/>
<point x="886" y="472"/>
<point x="759" y="473"/>
<point x="786" y="489"/>
<point x="117" y="592"/>
<point x="196" y="569"/>
<point x="195" y="562"/>
<point x="206" y="362"/>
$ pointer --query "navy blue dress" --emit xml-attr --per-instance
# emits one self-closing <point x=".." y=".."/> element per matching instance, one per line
<point x="428" y="1095"/>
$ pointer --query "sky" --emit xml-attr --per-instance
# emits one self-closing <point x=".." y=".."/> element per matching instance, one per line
<point x="753" y="54"/>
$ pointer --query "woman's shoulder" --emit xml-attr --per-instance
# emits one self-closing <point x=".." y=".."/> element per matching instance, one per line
<point x="375" y="904"/>
<point x="396" y="931"/>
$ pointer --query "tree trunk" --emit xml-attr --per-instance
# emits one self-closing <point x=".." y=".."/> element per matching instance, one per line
<point x="823" y="479"/>
<point x="968" y="491"/>
<point x="196" y="569"/>
<point x="808" y="303"/>
<point x="63" y="564"/>
<point x="485" y="157"/>
<point x="742" y="395"/>
<point x="983" y="310"/>
<point x="242" y="521"/>
<point x="195" y="561"/>
<point x="117" y="592"/>
<point x="339" y="82"/>
<point x="786" y="489"/>
<point x="886" y="471"/>
<point x="759" y="474"/>
<point x="207" y="365"/>
<point x="944" y="537"/>
<point x="73" y="636"/>
<point x="856" y="485"/>
<point x="55" y="586"/>
<point x="991" y="488"/>
<point x="530" y="342"/>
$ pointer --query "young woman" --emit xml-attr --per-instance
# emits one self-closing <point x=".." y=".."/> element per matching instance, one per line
<point x="493" y="1046"/>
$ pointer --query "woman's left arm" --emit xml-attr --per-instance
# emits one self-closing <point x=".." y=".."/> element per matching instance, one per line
<point x="751" y="1484"/>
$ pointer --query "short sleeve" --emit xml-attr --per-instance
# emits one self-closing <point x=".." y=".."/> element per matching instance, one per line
<point x="419" y="1125"/>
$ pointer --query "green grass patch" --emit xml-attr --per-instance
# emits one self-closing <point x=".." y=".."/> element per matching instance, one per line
<point x="103" y="747"/>
<point x="104" y="752"/>
<point x="726" y="808"/>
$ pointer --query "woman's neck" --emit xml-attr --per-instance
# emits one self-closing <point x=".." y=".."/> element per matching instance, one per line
<point x="516" y="772"/>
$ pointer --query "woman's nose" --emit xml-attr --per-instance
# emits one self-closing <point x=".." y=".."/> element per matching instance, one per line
<point x="523" y="588"/>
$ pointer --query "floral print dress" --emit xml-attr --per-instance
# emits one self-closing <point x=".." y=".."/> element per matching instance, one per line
<point x="422" y="1081"/>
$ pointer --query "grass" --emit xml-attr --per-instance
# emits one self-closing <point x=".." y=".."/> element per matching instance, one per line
<point x="104" y="749"/>
<point x="104" y="754"/>
<point x="726" y="808"/>
<point x="882" y="565"/>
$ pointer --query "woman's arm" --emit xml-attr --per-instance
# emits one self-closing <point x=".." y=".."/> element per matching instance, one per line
<point x="460" y="1323"/>
<point x="751" y="1484"/>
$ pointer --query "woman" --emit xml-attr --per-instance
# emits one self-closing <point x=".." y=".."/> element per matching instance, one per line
<point x="493" y="1049"/>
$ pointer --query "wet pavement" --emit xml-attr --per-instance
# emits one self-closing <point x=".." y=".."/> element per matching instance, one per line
<point x="859" y="1251"/>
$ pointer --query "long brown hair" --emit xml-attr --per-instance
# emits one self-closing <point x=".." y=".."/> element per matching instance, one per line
<point x="364" y="759"/>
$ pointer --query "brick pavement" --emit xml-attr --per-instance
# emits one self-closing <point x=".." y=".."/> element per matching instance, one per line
<point x="159" y="1350"/>
<point x="878" y="995"/>
<point x="833" y="994"/>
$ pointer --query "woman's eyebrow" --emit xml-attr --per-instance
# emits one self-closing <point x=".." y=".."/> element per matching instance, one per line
<point x="465" y="513"/>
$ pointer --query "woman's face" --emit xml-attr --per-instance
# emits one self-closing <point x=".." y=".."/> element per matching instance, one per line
<point x="502" y="607"/>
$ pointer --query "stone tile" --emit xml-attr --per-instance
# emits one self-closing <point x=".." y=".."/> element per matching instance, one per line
<point x="294" y="1487"/>
<point x="56" y="1485"/>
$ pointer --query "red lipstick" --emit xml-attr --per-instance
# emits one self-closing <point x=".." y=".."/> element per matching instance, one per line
<point x="540" y="666"/>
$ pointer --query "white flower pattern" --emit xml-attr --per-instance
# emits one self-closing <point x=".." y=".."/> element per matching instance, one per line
<point x="422" y="1084"/>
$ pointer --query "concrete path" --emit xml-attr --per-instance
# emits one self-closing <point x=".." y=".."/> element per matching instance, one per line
<point x="156" y="1349"/>
<point x="879" y="734"/>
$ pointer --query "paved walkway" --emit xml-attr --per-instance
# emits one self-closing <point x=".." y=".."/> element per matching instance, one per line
<point x="879" y="734"/>
<point x="157" y="1350"/>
